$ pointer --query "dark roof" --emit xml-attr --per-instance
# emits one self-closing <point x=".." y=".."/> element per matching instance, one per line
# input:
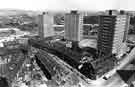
<point x="5" y="51"/>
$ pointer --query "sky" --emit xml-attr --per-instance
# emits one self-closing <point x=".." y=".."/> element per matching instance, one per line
<point x="55" y="5"/>
<point x="128" y="4"/>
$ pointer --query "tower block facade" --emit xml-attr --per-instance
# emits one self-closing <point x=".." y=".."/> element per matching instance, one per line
<point x="46" y="21"/>
<point x="112" y="33"/>
<point x="73" y="26"/>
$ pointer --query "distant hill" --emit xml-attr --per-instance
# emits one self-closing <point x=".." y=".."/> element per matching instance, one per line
<point x="8" y="12"/>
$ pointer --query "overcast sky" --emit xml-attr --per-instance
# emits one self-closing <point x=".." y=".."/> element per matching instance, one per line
<point x="68" y="4"/>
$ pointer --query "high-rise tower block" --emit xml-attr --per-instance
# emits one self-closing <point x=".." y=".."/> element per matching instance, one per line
<point x="46" y="25"/>
<point x="73" y="26"/>
<point x="112" y="33"/>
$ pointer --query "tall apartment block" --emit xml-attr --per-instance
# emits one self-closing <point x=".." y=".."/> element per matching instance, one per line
<point x="73" y="26"/>
<point x="46" y="25"/>
<point x="112" y="33"/>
